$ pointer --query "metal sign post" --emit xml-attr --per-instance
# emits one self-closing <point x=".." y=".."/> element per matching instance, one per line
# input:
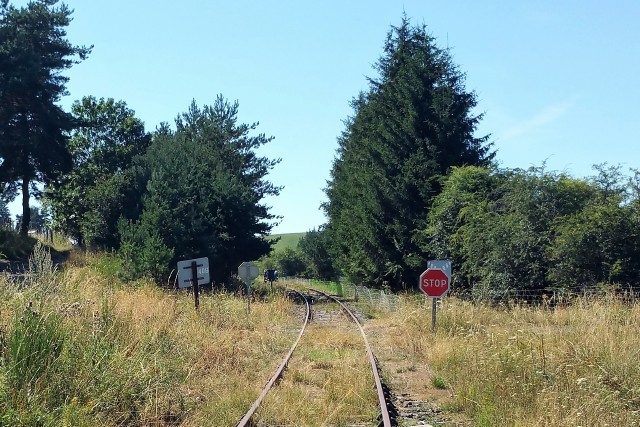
<point x="248" y="298"/>
<point x="434" y="282"/>
<point x="272" y="276"/>
<point x="248" y="271"/>
<point x="433" y="313"/>
<point x="196" y="287"/>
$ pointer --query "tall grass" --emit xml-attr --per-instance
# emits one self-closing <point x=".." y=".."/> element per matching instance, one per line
<point x="80" y="347"/>
<point x="525" y="366"/>
<point x="327" y="286"/>
<point x="91" y="350"/>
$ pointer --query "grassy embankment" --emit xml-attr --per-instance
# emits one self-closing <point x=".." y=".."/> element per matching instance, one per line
<point x="13" y="245"/>
<point x="287" y="240"/>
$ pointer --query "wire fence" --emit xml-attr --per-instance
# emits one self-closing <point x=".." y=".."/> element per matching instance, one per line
<point x="387" y="300"/>
<point x="551" y="297"/>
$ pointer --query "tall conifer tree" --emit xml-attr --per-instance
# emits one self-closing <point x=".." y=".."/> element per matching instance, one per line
<point x="33" y="128"/>
<point x="408" y="129"/>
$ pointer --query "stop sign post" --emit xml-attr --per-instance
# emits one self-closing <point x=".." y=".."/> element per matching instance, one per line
<point x="434" y="283"/>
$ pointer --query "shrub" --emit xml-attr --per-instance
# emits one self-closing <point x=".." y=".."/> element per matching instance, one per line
<point x="142" y="252"/>
<point x="13" y="245"/>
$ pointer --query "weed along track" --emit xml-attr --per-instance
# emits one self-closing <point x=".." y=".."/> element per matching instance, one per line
<point x="246" y="420"/>
<point x="329" y="379"/>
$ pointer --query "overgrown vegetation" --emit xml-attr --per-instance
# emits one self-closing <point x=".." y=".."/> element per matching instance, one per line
<point x="79" y="348"/>
<point x="327" y="382"/>
<point x="193" y="192"/>
<point x="536" y="230"/>
<point x="14" y="245"/>
<point x="529" y="366"/>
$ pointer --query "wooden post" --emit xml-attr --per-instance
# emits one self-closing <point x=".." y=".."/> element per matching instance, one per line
<point x="196" y="287"/>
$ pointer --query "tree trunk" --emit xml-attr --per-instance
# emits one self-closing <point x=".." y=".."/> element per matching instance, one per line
<point x="26" y="212"/>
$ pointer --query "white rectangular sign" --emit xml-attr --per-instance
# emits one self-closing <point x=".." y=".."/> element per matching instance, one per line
<point x="441" y="264"/>
<point x="185" y="274"/>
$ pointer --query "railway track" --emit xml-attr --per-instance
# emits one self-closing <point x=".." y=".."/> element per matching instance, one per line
<point x="246" y="419"/>
<point x="385" y="418"/>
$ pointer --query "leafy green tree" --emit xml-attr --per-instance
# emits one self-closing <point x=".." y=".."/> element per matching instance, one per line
<point x="33" y="128"/>
<point x="315" y="248"/>
<point x="88" y="201"/>
<point x="534" y="230"/>
<point x="291" y="262"/>
<point x="413" y="124"/>
<point x="205" y="190"/>
<point x="601" y="242"/>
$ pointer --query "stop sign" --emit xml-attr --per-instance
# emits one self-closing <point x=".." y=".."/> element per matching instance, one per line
<point x="434" y="282"/>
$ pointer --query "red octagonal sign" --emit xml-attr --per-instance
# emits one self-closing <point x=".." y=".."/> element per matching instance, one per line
<point x="434" y="282"/>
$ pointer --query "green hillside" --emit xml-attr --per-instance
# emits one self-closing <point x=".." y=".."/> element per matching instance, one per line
<point x="287" y="240"/>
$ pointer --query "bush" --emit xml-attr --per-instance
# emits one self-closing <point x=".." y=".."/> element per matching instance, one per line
<point x="142" y="252"/>
<point x="13" y="245"/>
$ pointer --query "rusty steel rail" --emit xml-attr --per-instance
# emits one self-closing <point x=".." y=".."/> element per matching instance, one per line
<point x="382" y="402"/>
<point x="247" y="417"/>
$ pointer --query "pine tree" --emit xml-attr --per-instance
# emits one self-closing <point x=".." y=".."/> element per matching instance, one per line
<point x="205" y="190"/>
<point x="33" y="128"/>
<point x="412" y="125"/>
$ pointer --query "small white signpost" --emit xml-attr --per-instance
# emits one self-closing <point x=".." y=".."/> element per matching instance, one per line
<point x="248" y="271"/>
<point x="185" y="276"/>
<point x="194" y="272"/>
<point x="441" y="264"/>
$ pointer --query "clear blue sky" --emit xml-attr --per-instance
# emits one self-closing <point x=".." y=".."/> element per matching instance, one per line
<point x="556" y="80"/>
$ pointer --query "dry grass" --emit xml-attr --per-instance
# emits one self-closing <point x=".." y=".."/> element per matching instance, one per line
<point x="523" y="366"/>
<point x="111" y="354"/>
<point x="138" y="355"/>
<point x="328" y="381"/>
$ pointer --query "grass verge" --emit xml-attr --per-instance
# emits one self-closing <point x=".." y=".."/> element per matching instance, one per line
<point x="525" y="366"/>
<point x="79" y="348"/>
